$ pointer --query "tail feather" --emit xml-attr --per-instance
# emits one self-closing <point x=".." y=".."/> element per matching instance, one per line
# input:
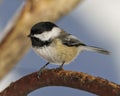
<point x="96" y="49"/>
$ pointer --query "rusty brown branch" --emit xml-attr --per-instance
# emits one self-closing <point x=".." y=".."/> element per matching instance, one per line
<point x="54" y="77"/>
<point x="15" y="44"/>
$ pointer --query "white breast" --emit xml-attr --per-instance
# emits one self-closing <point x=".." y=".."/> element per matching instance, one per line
<point x="48" y="53"/>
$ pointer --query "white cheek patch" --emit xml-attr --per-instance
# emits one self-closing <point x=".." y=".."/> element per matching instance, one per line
<point x="49" y="34"/>
<point x="44" y="36"/>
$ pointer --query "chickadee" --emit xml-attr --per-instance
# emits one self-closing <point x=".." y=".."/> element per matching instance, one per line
<point x="57" y="46"/>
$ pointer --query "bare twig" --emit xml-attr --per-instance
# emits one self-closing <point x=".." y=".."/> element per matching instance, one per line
<point x="15" y="44"/>
<point x="56" y="77"/>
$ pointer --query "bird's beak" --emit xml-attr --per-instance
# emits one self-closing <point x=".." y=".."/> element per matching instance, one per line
<point x="29" y="35"/>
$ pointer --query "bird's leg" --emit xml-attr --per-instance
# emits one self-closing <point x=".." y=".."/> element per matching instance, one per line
<point x="61" y="66"/>
<point x="42" y="68"/>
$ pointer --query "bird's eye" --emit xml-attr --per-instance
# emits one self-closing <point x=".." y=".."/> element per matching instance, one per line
<point x="35" y="39"/>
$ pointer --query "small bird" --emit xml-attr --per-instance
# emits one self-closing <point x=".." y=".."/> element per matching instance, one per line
<point x="56" y="45"/>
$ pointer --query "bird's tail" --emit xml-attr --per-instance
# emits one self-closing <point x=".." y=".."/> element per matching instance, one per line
<point x="96" y="49"/>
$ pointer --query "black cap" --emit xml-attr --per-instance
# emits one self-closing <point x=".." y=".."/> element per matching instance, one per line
<point x="42" y="27"/>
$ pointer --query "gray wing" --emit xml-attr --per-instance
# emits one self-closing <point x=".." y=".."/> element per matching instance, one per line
<point x="71" y="40"/>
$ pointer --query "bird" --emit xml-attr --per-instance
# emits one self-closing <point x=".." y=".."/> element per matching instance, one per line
<point x="57" y="46"/>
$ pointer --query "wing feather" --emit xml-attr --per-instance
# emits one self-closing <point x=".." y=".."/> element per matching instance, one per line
<point x="70" y="40"/>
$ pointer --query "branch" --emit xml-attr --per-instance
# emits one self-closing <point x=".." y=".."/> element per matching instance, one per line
<point x="54" y="77"/>
<point x="15" y="43"/>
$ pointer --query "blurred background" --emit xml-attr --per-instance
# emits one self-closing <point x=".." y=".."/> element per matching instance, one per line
<point x="96" y="23"/>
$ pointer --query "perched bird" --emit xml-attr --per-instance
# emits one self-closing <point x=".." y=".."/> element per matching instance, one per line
<point x="56" y="45"/>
